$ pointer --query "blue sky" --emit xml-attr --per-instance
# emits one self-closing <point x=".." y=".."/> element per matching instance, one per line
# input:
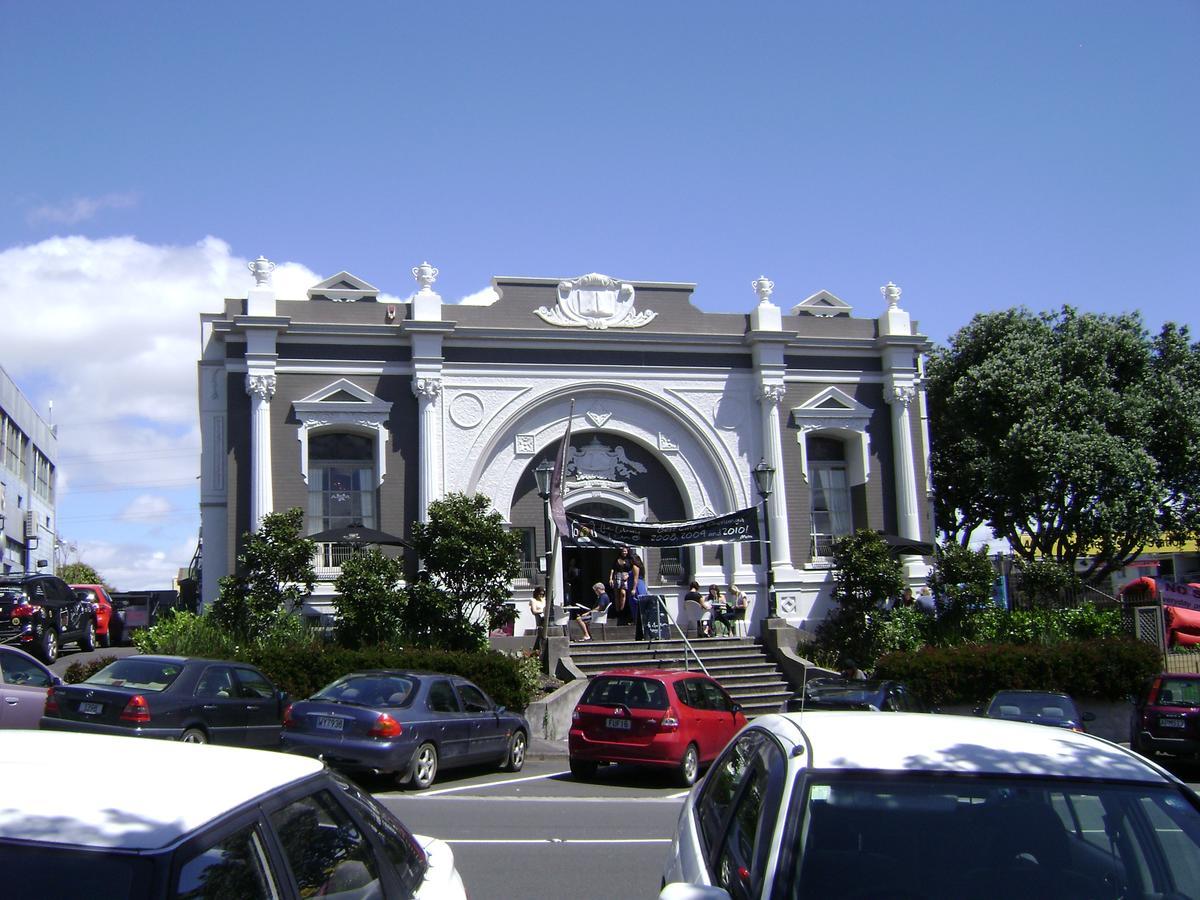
<point x="979" y="155"/>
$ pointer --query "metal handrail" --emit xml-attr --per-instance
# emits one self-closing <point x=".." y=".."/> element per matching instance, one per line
<point x="686" y="643"/>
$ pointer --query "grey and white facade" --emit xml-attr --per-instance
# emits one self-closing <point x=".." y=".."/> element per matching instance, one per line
<point x="28" y="454"/>
<point x="356" y="409"/>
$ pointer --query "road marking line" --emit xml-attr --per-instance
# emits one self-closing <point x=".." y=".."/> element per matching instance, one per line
<point x="471" y="787"/>
<point x="556" y="840"/>
<point x="678" y="796"/>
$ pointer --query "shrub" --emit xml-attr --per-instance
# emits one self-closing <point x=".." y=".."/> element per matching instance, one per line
<point x="182" y="633"/>
<point x="1109" y="669"/>
<point x="303" y="670"/>
<point x="82" y="671"/>
<point x="369" y="600"/>
<point x="865" y="577"/>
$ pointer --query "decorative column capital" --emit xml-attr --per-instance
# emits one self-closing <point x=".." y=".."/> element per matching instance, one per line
<point x="261" y="268"/>
<point x="764" y="287"/>
<point x="771" y="394"/>
<point x="902" y="394"/>
<point x="261" y="386"/>
<point x="891" y="293"/>
<point x="426" y="275"/>
<point x="427" y="388"/>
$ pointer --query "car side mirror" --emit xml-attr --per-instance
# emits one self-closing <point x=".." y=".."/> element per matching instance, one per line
<point x="499" y="710"/>
<point x="56" y="681"/>
<point x="737" y="707"/>
<point x="682" y="891"/>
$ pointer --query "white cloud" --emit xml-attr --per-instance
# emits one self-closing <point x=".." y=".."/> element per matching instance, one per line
<point x="485" y="297"/>
<point x="79" y="209"/>
<point x="109" y="330"/>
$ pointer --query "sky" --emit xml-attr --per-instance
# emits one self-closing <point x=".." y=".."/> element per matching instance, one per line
<point x="979" y="155"/>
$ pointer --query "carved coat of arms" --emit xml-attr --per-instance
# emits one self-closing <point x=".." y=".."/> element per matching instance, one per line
<point x="595" y="301"/>
<point x="597" y="462"/>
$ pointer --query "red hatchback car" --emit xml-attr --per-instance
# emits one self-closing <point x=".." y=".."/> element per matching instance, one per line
<point x="650" y="717"/>
<point x="1166" y="717"/>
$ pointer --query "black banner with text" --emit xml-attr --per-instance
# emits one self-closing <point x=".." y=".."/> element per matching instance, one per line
<point x="731" y="528"/>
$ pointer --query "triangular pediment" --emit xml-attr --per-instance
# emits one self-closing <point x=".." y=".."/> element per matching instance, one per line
<point x="830" y="404"/>
<point x="823" y="304"/>
<point x="341" y="391"/>
<point x="343" y="288"/>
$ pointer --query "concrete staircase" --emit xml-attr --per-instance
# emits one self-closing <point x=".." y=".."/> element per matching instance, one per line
<point x="738" y="663"/>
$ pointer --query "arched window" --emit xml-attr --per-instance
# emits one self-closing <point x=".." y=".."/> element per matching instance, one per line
<point x="341" y="480"/>
<point x="832" y="515"/>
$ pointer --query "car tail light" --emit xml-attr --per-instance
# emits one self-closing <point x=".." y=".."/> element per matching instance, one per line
<point x="288" y="720"/>
<point x="25" y="611"/>
<point x="670" y="721"/>
<point x="576" y="715"/>
<point x="136" y="710"/>
<point x="51" y="707"/>
<point x="385" y="727"/>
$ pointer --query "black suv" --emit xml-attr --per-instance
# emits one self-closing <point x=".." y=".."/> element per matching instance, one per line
<point x="40" y="613"/>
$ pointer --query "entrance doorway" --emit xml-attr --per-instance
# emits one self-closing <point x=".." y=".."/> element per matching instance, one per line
<point x="584" y="566"/>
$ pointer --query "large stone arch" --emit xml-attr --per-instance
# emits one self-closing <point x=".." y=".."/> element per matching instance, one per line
<point x="706" y="474"/>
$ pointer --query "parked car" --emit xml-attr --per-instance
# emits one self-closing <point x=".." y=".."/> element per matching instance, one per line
<point x="647" y="717"/>
<point x="1037" y="707"/>
<point x="407" y="724"/>
<point x="24" y="683"/>
<point x="108" y="630"/>
<point x="41" y="613"/>
<point x="838" y="805"/>
<point x="1166" y="716"/>
<point x="843" y="693"/>
<point x="197" y="701"/>
<point x="203" y="822"/>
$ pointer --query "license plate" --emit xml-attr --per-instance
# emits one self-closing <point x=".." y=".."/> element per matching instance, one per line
<point x="91" y="709"/>
<point x="1172" y="723"/>
<point x="330" y="723"/>
<point x="619" y="724"/>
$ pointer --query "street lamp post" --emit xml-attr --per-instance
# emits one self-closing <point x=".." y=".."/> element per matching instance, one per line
<point x="543" y="475"/>
<point x="764" y="480"/>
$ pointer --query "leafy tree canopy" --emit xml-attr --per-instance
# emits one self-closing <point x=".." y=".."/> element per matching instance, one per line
<point x="79" y="573"/>
<point x="370" y="600"/>
<point x="1069" y="434"/>
<point x="469" y="559"/>
<point x="275" y="573"/>
<point x="866" y="578"/>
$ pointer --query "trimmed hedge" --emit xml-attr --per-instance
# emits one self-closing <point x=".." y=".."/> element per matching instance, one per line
<point x="1111" y="669"/>
<point x="303" y="670"/>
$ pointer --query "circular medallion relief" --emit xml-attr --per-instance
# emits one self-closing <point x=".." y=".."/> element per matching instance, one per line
<point x="466" y="410"/>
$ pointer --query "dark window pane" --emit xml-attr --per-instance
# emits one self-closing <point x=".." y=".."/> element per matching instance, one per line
<point x="42" y="873"/>
<point x="636" y="693"/>
<point x="233" y="869"/>
<point x="327" y="853"/>
<point x="400" y="847"/>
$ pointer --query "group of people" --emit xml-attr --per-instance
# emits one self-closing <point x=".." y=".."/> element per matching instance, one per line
<point x="716" y="608"/>
<point x="924" y="599"/>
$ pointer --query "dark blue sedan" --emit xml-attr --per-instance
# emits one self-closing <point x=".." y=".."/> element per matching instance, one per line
<point x="406" y="724"/>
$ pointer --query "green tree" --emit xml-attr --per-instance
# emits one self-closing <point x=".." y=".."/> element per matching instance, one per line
<point x="79" y="573"/>
<point x="866" y="577"/>
<point x="961" y="582"/>
<point x="370" y="600"/>
<point x="469" y="559"/>
<point x="274" y="574"/>
<point x="1070" y="435"/>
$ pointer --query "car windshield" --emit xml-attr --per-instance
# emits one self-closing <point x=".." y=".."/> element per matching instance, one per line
<point x="994" y="837"/>
<point x="1032" y="706"/>
<point x="1179" y="692"/>
<point x="370" y="690"/>
<point x="132" y="672"/>
<point x="635" y="693"/>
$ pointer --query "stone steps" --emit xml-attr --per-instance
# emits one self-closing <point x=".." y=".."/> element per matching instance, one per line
<point x="738" y="663"/>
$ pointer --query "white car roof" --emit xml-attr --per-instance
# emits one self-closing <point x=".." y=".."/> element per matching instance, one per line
<point x="948" y="743"/>
<point x="51" y="793"/>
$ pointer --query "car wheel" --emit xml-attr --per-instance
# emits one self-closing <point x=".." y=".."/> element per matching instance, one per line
<point x="516" y="752"/>
<point x="87" y="642"/>
<point x="193" y="736"/>
<point x="425" y="766"/>
<point x="583" y="769"/>
<point x="48" y="646"/>
<point x="689" y="767"/>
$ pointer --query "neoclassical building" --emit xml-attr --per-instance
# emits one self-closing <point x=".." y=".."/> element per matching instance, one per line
<point x="361" y="410"/>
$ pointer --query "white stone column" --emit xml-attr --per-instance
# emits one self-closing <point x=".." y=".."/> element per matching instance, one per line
<point x="428" y="390"/>
<point x="261" y="388"/>
<point x="769" y="398"/>
<point x="900" y="395"/>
